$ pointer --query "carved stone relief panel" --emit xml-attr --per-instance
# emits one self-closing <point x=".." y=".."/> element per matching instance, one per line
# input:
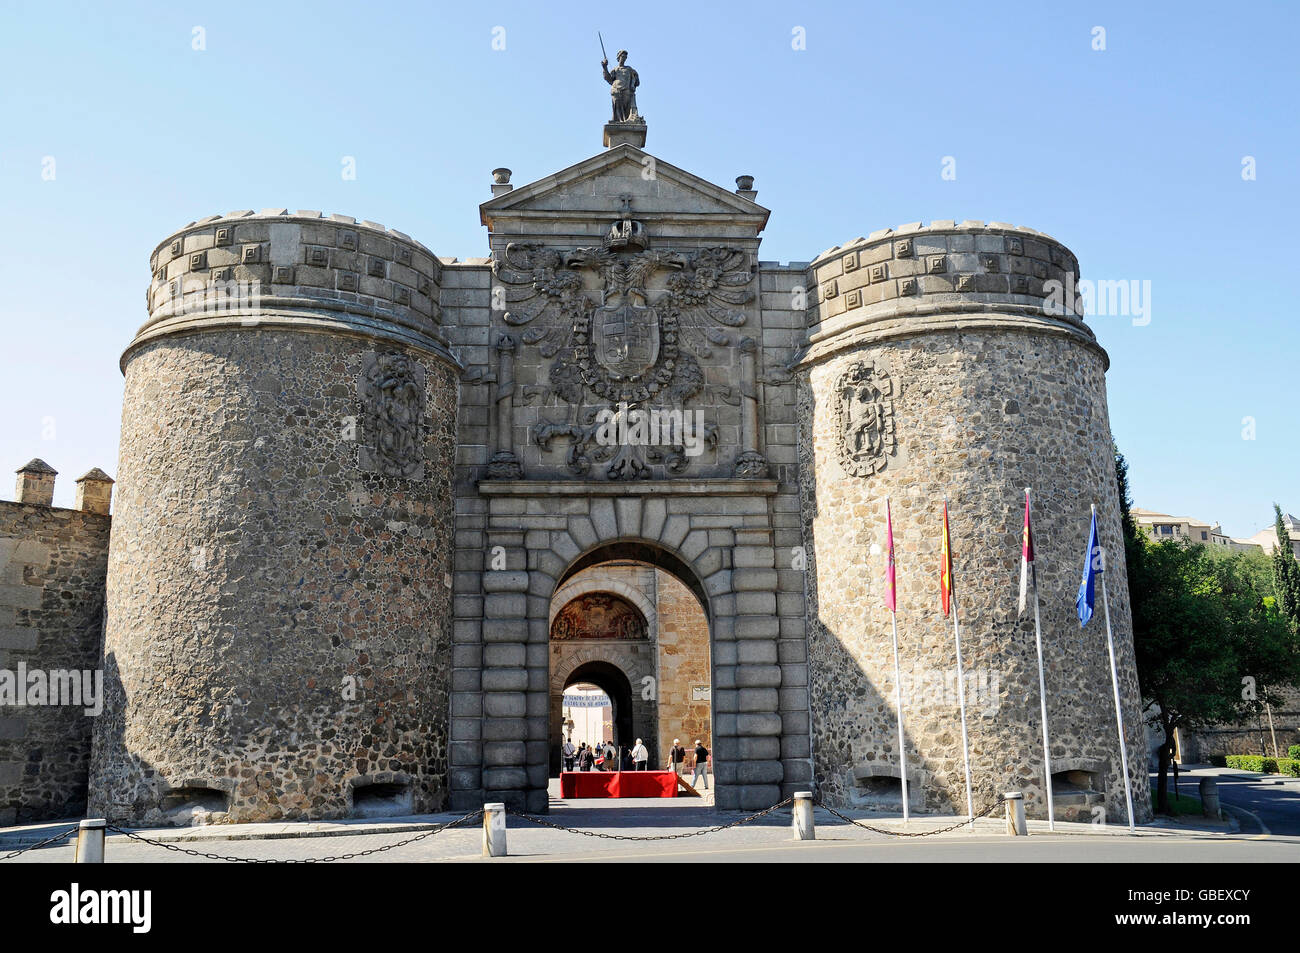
<point x="864" y="412"/>
<point x="391" y="429"/>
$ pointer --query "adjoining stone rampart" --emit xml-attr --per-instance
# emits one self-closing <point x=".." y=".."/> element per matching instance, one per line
<point x="52" y="568"/>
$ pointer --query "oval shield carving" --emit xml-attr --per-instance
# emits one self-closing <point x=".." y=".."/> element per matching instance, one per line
<point x="864" y="409"/>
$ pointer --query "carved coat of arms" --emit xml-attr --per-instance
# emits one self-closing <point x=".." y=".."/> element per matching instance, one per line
<point x="626" y="324"/>
<point x="864" y="412"/>
<point x="626" y="339"/>
<point x="391" y="389"/>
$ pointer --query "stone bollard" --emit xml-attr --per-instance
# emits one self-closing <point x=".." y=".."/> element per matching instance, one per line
<point x="1210" y="799"/>
<point x="494" y="830"/>
<point x="1016" y="814"/>
<point x="803" y="816"/>
<point x="90" y="841"/>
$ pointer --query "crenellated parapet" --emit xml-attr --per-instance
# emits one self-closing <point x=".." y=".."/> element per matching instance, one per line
<point x="943" y="276"/>
<point x="302" y="269"/>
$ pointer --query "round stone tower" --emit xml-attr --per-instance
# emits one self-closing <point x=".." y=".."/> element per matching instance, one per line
<point x="951" y="361"/>
<point x="278" y="627"/>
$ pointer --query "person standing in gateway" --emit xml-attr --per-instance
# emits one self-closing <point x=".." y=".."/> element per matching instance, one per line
<point x="640" y="757"/>
<point x="676" y="757"/>
<point x="701" y="765"/>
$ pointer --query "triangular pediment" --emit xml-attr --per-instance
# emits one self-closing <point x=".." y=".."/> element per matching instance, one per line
<point x="595" y="187"/>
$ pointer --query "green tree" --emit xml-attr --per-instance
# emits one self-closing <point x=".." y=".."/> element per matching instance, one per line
<point x="1208" y="648"/>
<point x="1256" y="564"/>
<point x="1209" y="642"/>
<point x="1286" y="574"/>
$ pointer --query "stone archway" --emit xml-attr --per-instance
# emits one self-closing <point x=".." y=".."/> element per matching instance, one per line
<point x="669" y="665"/>
<point x="716" y="537"/>
<point x="616" y="643"/>
<point x="614" y="682"/>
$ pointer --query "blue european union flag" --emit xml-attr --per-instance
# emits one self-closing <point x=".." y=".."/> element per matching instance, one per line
<point x="1093" y="563"/>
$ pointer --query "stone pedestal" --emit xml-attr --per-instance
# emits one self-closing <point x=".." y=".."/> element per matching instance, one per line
<point x="617" y="133"/>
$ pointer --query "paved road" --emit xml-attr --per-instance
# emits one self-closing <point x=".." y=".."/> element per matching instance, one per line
<point x="1272" y="800"/>
<point x="767" y="839"/>
<point x="764" y="841"/>
<point x="848" y="847"/>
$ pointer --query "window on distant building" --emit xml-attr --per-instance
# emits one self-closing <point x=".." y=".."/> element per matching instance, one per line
<point x="1204" y="535"/>
<point x="1165" y="529"/>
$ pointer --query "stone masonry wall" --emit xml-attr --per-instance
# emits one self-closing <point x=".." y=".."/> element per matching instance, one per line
<point x="52" y="568"/>
<point x="683" y="668"/>
<point x="1249" y="737"/>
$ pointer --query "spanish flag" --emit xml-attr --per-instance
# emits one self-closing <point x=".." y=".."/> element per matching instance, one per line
<point x="945" y="564"/>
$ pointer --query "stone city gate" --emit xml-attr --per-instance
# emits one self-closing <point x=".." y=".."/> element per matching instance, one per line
<point x="376" y="470"/>
<point x="696" y="530"/>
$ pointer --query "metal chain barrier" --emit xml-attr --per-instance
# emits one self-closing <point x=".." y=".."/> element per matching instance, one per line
<point x="531" y="818"/>
<point x="940" y="830"/>
<point x="296" y="860"/>
<point x="48" y="840"/>
<point x="542" y="822"/>
<point x="708" y="830"/>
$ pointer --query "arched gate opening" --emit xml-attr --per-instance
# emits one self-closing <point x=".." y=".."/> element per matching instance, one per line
<point x="630" y="619"/>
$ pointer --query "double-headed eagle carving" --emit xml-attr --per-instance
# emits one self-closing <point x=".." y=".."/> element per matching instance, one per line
<point x="625" y="324"/>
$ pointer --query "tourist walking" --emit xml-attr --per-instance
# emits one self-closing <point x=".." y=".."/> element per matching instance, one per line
<point x="676" y="757"/>
<point x="569" y="753"/>
<point x="701" y="765"/>
<point x="585" y="758"/>
<point x="640" y="757"/>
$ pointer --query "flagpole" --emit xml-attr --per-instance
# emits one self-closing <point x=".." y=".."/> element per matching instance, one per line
<point x="898" y="706"/>
<point x="1042" y="697"/>
<point x="961" y="678"/>
<point x="961" y="694"/>
<point x="898" y="680"/>
<point x="1114" y="681"/>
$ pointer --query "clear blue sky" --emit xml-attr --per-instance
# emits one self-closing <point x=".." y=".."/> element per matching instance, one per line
<point x="1132" y="156"/>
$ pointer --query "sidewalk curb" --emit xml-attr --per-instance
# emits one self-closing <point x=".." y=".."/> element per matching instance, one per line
<point x="1235" y="811"/>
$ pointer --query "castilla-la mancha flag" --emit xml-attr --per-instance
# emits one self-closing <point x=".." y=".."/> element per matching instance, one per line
<point x="945" y="565"/>
<point x="891" y="588"/>
<point x="1027" y="578"/>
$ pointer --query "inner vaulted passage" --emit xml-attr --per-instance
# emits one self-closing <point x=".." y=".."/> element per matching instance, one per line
<point x="642" y="622"/>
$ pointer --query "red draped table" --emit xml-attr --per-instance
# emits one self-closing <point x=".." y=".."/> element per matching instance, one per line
<point x="580" y="784"/>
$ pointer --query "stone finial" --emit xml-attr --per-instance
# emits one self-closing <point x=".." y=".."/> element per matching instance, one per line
<point x="501" y="182"/>
<point x="35" y="483"/>
<point x="745" y="187"/>
<point x="94" y="492"/>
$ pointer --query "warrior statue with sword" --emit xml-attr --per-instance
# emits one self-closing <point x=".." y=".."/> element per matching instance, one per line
<point x="623" y="82"/>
